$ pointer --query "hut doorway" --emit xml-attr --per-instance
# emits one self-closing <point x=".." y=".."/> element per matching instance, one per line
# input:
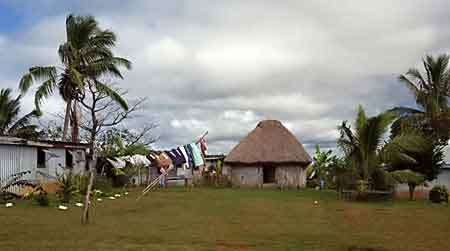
<point x="268" y="175"/>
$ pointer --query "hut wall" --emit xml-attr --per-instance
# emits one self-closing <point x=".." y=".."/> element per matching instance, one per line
<point x="291" y="177"/>
<point x="246" y="176"/>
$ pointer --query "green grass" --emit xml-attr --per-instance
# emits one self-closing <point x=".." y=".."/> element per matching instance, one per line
<point x="230" y="219"/>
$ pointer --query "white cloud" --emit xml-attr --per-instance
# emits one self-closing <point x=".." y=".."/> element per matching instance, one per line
<point x="223" y="66"/>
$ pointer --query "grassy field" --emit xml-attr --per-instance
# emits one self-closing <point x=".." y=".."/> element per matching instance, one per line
<point x="228" y="219"/>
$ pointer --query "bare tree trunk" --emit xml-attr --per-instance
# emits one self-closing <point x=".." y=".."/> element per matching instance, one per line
<point x="66" y="120"/>
<point x="411" y="187"/>
<point x="75" y="125"/>
<point x="92" y="170"/>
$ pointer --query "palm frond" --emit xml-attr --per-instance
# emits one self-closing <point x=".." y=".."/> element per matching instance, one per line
<point x="37" y="73"/>
<point x="112" y="94"/>
<point x="43" y="91"/>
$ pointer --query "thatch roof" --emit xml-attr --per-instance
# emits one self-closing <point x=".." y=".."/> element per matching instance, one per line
<point x="269" y="143"/>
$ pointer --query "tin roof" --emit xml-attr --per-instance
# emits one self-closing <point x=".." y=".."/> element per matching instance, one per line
<point x="6" y="140"/>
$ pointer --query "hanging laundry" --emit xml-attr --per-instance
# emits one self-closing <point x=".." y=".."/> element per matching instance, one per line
<point x="196" y="155"/>
<point x="163" y="161"/>
<point x="179" y="156"/>
<point x="185" y="156"/>
<point x="172" y="157"/>
<point x="203" y="146"/>
<point x="190" y="157"/>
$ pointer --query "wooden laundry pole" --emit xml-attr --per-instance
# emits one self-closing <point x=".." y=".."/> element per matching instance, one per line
<point x="202" y="137"/>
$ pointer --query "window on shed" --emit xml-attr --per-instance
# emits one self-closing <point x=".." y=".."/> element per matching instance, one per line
<point x="69" y="158"/>
<point x="41" y="159"/>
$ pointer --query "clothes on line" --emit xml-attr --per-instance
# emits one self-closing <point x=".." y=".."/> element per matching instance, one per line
<point x="196" y="155"/>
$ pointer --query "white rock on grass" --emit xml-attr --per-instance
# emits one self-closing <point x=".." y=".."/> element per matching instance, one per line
<point x="79" y="204"/>
<point x="126" y="193"/>
<point x="112" y="198"/>
<point x="63" y="208"/>
<point x="117" y="195"/>
<point x="8" y="205"/>
<point x="99" y="199"/>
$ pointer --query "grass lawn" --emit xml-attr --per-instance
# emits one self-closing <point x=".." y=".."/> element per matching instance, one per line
<point x="229" y="219"/>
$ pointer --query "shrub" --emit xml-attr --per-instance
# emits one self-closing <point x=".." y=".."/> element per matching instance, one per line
<point x="312" y="183"/>
<point x="81" y="183"/>
<point x="41" y="197"/>
<point x="67" y="187"/>
<point x="103" y="184"/>
<point x="438" y="194"/>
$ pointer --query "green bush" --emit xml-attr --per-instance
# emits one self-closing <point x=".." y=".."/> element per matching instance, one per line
<point x="67" y="187"/>
<point x="103" y="184"/>
<point x="81" y="183"/>
<point x="313" y="183"/>
<point x="41" y="197"/>
<point x="438" y="194"/>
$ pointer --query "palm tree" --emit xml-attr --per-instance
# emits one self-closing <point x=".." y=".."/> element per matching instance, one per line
<point x="431" y="92"/>
<point x="361" y="145"/>
<point x="85" y="56"/>
<point x="10" y="123"/>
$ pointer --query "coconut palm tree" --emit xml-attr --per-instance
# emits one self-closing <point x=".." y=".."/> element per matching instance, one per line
<point x="10" y="122"/>
<point x="361" y="145"/>
<point x="431" y="92"/>
<point x="85" y="56"/>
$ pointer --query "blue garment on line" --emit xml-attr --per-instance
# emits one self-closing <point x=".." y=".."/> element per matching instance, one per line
<point x="190" y="160"/>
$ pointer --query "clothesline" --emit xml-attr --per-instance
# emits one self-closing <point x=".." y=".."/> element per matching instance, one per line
<point x="189" y="155"/>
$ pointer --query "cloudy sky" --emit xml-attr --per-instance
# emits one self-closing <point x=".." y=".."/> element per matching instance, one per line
<point x="222" y="66"/>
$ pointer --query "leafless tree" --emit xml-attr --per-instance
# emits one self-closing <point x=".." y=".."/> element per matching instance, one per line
<point x="100" y="111"/>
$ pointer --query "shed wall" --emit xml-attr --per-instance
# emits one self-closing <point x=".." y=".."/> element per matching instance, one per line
<point x="14" y="159"/>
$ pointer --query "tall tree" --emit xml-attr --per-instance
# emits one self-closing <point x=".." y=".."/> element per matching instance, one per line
<point x="431" y="90"/>
<point x="412" y="158"/>
<point x="10" y="122"/>
<point x="361" y="145"/>
<point x="86" y="54"/>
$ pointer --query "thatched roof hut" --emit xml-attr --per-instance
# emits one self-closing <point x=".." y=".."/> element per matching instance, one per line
<point x="270" y="154"/>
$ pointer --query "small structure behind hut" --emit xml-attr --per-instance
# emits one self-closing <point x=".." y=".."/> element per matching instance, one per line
<point x="269" y="156"/>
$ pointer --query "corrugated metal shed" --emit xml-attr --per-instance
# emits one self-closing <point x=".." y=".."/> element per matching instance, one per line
<point x="18" y="155"/>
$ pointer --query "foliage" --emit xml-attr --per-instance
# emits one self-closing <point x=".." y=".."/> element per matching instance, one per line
<point x="431" y="95"/>
<point x="81" y="183"/>
<point x="103" y="184"/>
<point x="41" y="197"/>
<point x="327" y="167"/>
<point x="361" y="145"/>
<point x="51" y="130"/>
<point x="85" y="56"/>
<point x="10" y="122"/>
<point x="439" y="194"/>
<point x="322" y="162"/>
<point x="116" y="143"/>
<point x="416" y="152"/>
<point x="408" y="177"/>
<point x="67" y="187"/>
